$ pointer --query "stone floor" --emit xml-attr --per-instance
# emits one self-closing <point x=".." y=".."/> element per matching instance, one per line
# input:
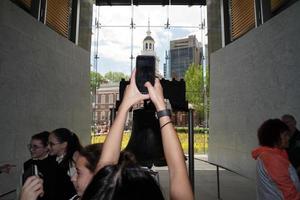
<point x="232" y="186"/>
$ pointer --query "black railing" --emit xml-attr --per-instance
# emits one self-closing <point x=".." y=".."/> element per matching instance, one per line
<point x="7" y="193"/>
<point x="218" y="174"/>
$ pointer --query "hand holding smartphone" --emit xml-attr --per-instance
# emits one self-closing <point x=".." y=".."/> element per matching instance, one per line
<point x="31" y="171"/>
<point x="145" y="71"/>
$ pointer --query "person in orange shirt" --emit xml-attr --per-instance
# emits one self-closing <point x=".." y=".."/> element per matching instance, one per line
<point x="276" y="178"/>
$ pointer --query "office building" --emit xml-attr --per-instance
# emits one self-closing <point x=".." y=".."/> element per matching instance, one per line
<point x="183" y="52"/>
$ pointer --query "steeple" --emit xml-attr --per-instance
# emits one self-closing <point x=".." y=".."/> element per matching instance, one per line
<point x="148" y="32"/>
<point x="148" y="43"/>
<point x="148" y="47"/>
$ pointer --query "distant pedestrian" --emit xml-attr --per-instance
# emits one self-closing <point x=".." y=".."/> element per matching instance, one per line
<point x="294" y="143"/>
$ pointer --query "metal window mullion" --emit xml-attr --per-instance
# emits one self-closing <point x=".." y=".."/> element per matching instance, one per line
<point x="263" y="11"/>
<point x="132" y="25"/>
<point x="38" y="9"/>
<point x="225" y="22"/>
<point x="74" y="21"/>
<point x="96" y="58"/>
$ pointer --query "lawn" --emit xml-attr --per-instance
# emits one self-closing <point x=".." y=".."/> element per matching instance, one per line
<point x="200" y="141"/>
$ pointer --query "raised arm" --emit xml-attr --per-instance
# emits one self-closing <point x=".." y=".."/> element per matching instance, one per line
<point x="180" y="187"/>
<point x="112" y="145"/>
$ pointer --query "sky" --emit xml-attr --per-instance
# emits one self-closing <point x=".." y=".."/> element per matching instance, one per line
<point x="114" y="37"/>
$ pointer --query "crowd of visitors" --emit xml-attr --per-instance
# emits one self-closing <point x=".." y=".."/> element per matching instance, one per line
<point x="102" y="171"/>
<point x="60" y="168"/>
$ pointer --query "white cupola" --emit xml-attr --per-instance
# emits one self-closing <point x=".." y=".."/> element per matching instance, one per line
<point x="148" y="43"/>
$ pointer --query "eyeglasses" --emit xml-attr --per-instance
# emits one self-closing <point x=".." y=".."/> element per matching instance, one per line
<point x="33" y="147"/>
<point x="53" y="144"/>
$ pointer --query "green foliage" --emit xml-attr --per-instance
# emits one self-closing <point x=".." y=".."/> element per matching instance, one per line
<point x="96" y="80"/>
<point x="115" y="76"/>
<point x="195" y="87"/>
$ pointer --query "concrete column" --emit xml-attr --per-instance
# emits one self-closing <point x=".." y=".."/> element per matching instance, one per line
<point x="214" y="29"/>
<point x="85" y="24"/>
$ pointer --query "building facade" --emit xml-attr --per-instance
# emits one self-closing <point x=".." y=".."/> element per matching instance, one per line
<point x="106" y="97"/>
<point x="183" y="52"/>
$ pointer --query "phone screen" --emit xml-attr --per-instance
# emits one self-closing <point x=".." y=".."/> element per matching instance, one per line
<point x="145" y="71"/>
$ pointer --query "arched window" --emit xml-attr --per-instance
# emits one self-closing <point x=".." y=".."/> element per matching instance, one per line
<point x="150" y="45"/>
<point x="146" y="45"/>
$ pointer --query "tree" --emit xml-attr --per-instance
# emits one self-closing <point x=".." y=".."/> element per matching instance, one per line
<point x="96" y="80"/>
<point x="195" y="90"/>
<point x="115" y="76"/>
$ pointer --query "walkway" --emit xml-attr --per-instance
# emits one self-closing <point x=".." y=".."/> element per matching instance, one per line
<point x="232" y="186"/>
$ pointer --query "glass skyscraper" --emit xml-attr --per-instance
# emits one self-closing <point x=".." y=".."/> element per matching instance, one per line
<point x="183" y="52"/>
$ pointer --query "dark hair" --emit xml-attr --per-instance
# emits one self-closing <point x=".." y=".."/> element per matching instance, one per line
<point x="42" y="136"/>
<point x="291" y="117"/>
<point x="92" y="154"/>
<point x="73" y="144"/>
<point x="123" y="181"/>
<point x="269" y="132"/>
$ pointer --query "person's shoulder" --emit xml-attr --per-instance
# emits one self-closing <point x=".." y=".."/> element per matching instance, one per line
<point x="27" y="163"/>
<point x="51" y="158"/>
<point x="271" y="156"/>
<point x="51" y="161"/>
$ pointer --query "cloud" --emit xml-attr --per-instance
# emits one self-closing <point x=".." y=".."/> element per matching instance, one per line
<point x="114" y="43"/>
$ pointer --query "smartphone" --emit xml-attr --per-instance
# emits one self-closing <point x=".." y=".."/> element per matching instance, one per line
<point x="30" y="171"/>
<point x="145" y="71"/>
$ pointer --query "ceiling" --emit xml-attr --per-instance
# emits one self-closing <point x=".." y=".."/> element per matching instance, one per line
<point x="149" y="2"/>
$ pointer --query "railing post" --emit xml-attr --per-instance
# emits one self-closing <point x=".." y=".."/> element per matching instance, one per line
<point x="218" y="183"/>
<point x="112" y="115"/>
<point x="191" y="147"/>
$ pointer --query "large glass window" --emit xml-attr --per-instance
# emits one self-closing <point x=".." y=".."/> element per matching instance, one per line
<point x="174" y="34"/>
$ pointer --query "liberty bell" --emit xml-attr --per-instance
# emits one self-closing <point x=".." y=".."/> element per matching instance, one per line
<point x="145" y="141"/>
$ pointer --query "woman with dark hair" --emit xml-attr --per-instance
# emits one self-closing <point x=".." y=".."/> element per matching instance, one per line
<point x="65" y="145"/>
<point x="276" y="177"/>
<point x="121" y="178"/>
<point x="86" y="163"/>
